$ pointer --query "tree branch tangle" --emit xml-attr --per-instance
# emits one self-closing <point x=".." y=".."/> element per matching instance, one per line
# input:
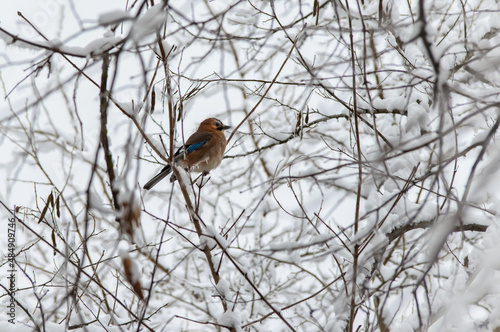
<point x="358" y="192"/>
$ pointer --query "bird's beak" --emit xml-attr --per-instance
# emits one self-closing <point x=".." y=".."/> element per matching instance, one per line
<point x="226" y="127"/>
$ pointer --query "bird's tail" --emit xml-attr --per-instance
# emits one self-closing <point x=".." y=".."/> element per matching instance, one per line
<point x="157" y="178"/>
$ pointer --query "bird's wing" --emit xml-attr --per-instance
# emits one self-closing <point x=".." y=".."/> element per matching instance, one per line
<point x="194" y="147"/>
<point x="194" y="142"/>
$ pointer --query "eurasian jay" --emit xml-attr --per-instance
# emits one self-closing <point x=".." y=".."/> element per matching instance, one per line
<point x="202" y="152"/>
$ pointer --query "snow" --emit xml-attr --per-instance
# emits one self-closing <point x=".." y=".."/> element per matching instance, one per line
<point x="132" y="108"/>
<point x="222" y="242"/>
<point x="417" y="120"/>
<point x="93" y="48"/>
<point x="113" y="17"/>
<point x="207" y="241"/>
<point x="149" y="23"/>
<point x="230" y="319"/>
<point x="222" y="288"/>
<point x="49" y="326"/>
<point x="98" y="46"/>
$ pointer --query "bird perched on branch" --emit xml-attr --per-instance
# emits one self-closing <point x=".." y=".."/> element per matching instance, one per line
<point x="202" y="152"/>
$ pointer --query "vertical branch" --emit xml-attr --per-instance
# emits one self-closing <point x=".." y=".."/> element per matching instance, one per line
<point x="360" y="177"/>
<point x="170" y="102"/>
<point x="189" y="204"/>
<point x="197" y="225"/>
<point x="103" y="97"/>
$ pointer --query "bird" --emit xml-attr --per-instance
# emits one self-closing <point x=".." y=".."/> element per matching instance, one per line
<point x="202" y="152"/>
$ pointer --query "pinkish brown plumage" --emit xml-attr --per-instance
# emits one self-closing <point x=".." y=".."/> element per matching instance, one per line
<point x="202" y="152"/>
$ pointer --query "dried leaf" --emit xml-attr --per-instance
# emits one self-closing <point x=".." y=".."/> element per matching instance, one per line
<point x="50" y="200"/>
<point x="54" y="243"/>
<point x="153" y="100"/>
<point x="315" y="8"/>
<point x="58" y="211"/>
<point x="298" y="124"/>
<point x="130" y="219"/>
<point x="129" y="268"/>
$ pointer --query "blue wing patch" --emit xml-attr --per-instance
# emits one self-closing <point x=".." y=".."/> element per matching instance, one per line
<point x="194" y="147"/>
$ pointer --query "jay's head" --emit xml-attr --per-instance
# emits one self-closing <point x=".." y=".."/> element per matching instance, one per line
<point x="213" y="124"/>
